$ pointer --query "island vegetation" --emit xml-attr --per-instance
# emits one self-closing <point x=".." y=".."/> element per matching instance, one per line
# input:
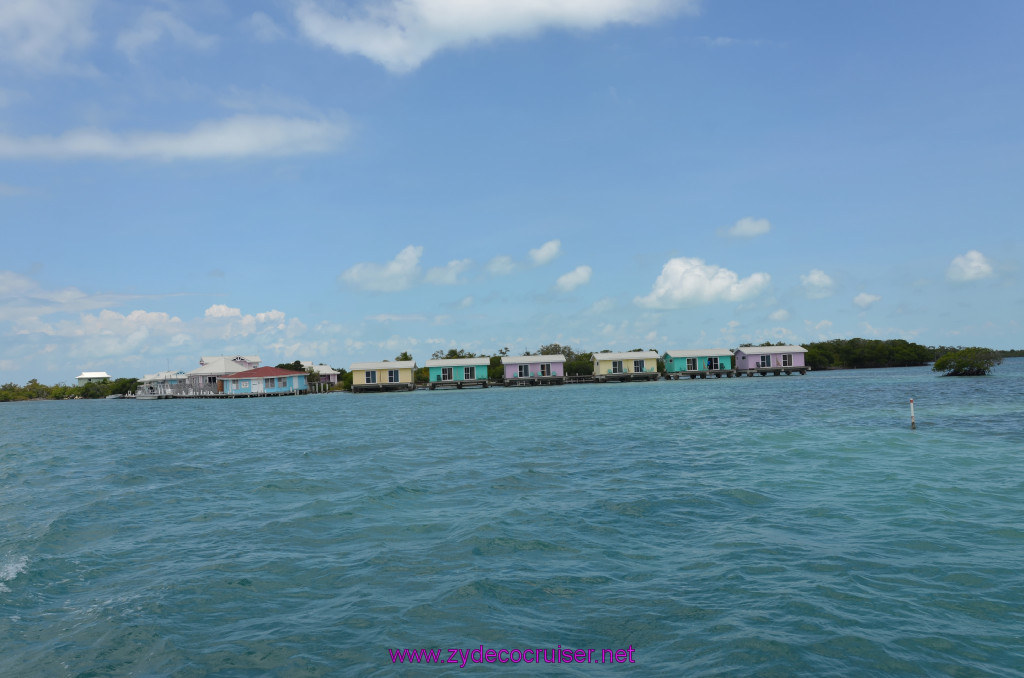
<point x="33" y="390"/>
<point x="967" y="362"/>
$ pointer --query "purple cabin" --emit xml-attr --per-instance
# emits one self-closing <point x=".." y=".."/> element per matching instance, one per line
<point x="534" y="369"/>
<point x="770" y="357"/>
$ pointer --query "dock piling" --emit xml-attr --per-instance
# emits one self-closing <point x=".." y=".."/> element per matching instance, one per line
<point x="913" y="424"/>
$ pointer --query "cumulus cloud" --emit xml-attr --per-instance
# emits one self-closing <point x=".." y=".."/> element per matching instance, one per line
<point x="223" y="311"/>
<point x="864" y="299"/>
<point x="39" y="34"/>
<point x="780" y="315"/>
<point x="967" y="267"/>
<point x="239" y="136"/>
<point x="817" y="284"/>
<point x="686" y="281"/>
<point x="501" y="265"/>
<point x="402" y="34"/>
<point x="546" y="252"/>
<point x="394" y="276"/>
<point x="574" y="278"/>
<point x="748" y="227"/>
<point x="153" y="25"/>
<point x="449" y="273"/>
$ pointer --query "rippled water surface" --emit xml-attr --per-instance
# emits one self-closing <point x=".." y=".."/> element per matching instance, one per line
<point x="766" y="526"/>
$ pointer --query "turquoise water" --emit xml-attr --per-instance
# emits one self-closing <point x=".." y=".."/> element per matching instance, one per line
<point x="767" y="526"/>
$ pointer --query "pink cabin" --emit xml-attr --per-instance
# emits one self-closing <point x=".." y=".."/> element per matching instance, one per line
<point x="533" y="370"/>
<point x="775" y="359"/>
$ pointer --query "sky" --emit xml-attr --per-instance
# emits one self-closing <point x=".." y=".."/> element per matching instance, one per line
<point x="342" y="181"/>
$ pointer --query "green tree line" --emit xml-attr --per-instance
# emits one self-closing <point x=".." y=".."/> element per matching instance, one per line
<point x="33" y="390"/>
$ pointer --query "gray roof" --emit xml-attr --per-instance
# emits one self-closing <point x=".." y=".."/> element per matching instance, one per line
<point x="221" y="365"/>
<point x="629" y="355"/>
<point x="459" y="362"/>
<point x="93" y="375"/>
<point x="521" y="359"/>
<point x="698" y="353"/>
<point x="385" y="365"/>
<point x="770" y="350"/>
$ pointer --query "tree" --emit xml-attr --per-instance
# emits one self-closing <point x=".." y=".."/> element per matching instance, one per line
<point x="403" y="357"/>
<point x="452" y="354"/>
<point x="967" y="362"/>
<point x="296" y="365"/>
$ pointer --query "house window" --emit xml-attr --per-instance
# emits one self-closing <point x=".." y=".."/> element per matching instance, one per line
<point x="469" y="372"/>
<point x="446" y="374"/>
<point x="691" y="364"/>
<point x="371" y="376"/>
<point x="787" y="359"/>
<point x="524" y="371"/>
<point x="545" y="369"/>
<point x="713" y="363"/>
<point x="638" y="365"/>
<point x="392" y="376"/>
<point x="268" y="383"/>
<point x="617" y="367"/>
<point x="243" y="384"/>
<point x="765" y="361"/>
<point x="282" y="382"/>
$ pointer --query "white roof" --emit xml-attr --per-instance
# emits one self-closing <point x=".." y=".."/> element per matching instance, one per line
<point x="698" y="353"/>
<point x="520" y="359"/>
<point x="319" y="369"/>
<point x="769" y="350"/>
<point x="93" y="375"/>
<point x="459" y="362"/>
<point x="220" y="365"/>
<point x="385" y="365"/>
<point x="630" y="355"/>
<point x="163" y="376"/>
<point x="247" y="358"/>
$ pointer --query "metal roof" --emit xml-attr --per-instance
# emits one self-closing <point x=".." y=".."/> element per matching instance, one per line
<point x="770" y="350"/>
<point x="385" y="365"/>
<point x="629" y="355"/>
<point x="93" y="375"/>
<point x="459" y="362"/>
<point x="246" y="358"/>
<point x="261" y="372"/>
<point x="699" y="353"/>
<point x="521" y="359"/>
<point x="218" y="365"/>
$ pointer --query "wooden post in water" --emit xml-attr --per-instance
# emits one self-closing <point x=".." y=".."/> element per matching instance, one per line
<point x="913" y="424"/>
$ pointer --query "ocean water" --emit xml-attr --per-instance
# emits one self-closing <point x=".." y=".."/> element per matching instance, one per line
<point x="773" y="526"/>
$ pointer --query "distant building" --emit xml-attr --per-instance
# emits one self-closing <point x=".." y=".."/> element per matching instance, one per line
<point x="699" y="362"/>
<point x="161" y="385"/>
<point x="774" y="359"/>
<point x="264" y="381"/>
<point x="91" y="377"/>
<point x="204" y="378"/>
<point x="458" y="372"/>
<point x="533" y="369"/>
<point x="328" y="375"/>
<point x="399" y="375"/>
<point x="628" y="366"/>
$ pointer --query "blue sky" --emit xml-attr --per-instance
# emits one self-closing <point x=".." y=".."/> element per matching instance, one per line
<point x="342" y="181"/>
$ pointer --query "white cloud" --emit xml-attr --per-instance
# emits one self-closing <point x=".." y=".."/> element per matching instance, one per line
<point x="223" y="311"/>
<point x="602" y="305"/>
<point x="574" y="278"/>
<point x="685" y="281"/>
<point x="864" y="299"/>
<point x="402" y="34"/>
<point x="501" y="265"/>
<point x="748" y="227"/>
<point x="546" y="252"/>
<point x="967" y="267"/>
<point x="466" y="302"/>
<point x="239" y="136"/>
<point x="153" y="25"/>
<point x="780" y="315"/>
<point x="394" y="276"/>
<point x="264" y="28"/>
<point x="449" y="273"/>
<point x="38" y="34"/>
<point x="817" y="284"/>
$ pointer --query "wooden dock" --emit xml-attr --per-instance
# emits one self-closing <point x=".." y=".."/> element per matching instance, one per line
<point x="699" y="374"/>
<point x="466" y="383"/>
<point x="626" y="376"/>
<point x="382" y="388"/>
<point x="534" y="381"/>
